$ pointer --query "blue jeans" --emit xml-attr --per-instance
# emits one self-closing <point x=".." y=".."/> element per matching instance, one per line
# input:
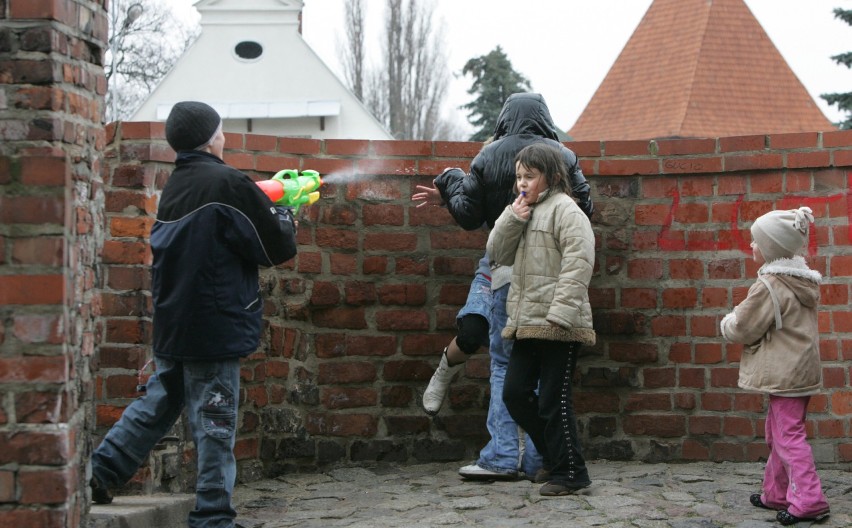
<point x="503" y="452"/>
<point x="210" y="393"/>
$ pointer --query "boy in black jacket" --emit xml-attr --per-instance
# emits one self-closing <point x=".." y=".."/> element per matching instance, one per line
<point x="214" y="228"/>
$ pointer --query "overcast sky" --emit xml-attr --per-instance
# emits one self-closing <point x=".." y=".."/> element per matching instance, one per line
<point x="566" y="47"/>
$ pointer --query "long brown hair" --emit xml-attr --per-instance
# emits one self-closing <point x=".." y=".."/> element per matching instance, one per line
<point x="549" y="162"/>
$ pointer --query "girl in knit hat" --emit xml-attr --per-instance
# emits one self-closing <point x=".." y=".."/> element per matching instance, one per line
<point x="777" y="323"/>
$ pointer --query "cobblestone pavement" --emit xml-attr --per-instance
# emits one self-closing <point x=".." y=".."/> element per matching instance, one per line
<point x="622" y="495"/>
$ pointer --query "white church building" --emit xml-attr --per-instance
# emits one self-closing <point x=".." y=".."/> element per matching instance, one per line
<point x="251" y="64"/>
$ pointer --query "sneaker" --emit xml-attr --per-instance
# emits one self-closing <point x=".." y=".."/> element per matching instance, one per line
<point x="755" y="501"/>
<point x="557" y="488"/>
<point x="474" y="472"/>
<point x="100" y="494"/>
<point x="786" y="518"/>
<point x="435" y="392"/>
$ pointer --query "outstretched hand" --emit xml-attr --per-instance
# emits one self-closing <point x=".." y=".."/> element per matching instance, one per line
<point x="521" y="207"/>
<point x="428" y="195"/>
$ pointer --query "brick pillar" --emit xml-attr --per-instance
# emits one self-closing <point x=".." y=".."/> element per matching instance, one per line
<point x="51" y="222"/>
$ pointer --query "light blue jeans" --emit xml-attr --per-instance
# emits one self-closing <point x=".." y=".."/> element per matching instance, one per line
<point x="504" y="452"/>
<point x="210" y="393"/>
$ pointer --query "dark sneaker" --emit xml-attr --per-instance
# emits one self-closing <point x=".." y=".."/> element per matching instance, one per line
<point x="786" y="518"/>
<point x="100" y="494"/>
<point x="556" y="488"/>
<point x="756" y="502"/>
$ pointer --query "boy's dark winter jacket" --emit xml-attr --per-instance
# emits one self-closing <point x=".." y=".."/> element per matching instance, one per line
<point x="214" y="228"/>
<point x="481" y="197"/>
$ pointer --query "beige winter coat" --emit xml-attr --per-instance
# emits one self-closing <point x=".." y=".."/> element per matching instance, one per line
<point x="781" y="336"/>
<point x="553" y="254"/>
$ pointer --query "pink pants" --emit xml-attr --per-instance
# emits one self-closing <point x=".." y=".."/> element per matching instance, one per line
<point x="790" y="481"/>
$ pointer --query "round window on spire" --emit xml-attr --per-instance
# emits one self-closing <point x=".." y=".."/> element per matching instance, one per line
<point x="248" y="50"/>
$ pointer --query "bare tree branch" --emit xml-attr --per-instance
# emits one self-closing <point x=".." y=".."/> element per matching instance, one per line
<point x="145" y="41"/>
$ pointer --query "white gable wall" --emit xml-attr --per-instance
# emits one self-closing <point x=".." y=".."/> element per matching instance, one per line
<point x="287" y="91"/>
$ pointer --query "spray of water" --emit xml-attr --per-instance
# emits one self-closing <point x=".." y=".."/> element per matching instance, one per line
<point x="346" y="177"/>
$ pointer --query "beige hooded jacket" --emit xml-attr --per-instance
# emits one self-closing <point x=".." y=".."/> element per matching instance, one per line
<point x="553" y="254"/>
<point x="777" y="323"/>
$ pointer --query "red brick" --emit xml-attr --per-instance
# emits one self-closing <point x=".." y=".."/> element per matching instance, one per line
<point x="346" y="372"/>
<point x="410" y="370"/>
<point x="691" y="269"/>
<point x="662" y="425"/>
<point x="35" y="448"/>
<point x="704" y="425"/>
<point x="395" y="320"/>
<point x="633" y="352"/>
<point x="679" y="147"/>
<point x="651" y="269"/>
<point x="680" y="298"/>
<point x="692" y="165"/>
<point x="837" y="138"/>
<point x="246" y="448"/>
<point x="808" y="159"/>
<point x="340" y="317"/>
<point x="43" y="251"/>
<point x="841" y="403"/>
<point x="691" y="378"/>
<point x="794" y="140"/>
<point x="753" y="162"/>
<point x="628" y="167"/>
<point x="34" y="369"/>
<point x="347" y="147"/>
<point x="716" y="401"/>
<point x="346" y="425"/>
<point x="402" y="294"/>
<point x="742" y="143"/>
<point x="627" y="148"/>
<point x="648" y="402"/>
<point x="348" y="397"/>
<point x="360" y="293"/>
<point x="694" y="450"/>
<point x="651" y="214"/>
<point x="119" y="252"/>
<point x="46" y="487"/>
<point x="47" y="171"/>
<point x="668" y="326"/>
<point x="36" y="210"/>
<point x="658" y="187"/>
<point x="291" y="145"/>
<point x="658" y="378"/>
<point x="396" y="242"/>
<point x="38" y="328"/>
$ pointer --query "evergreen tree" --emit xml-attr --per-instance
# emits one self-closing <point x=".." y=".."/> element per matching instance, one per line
<point x="842" y="100"/>
<point x="494" y="80"/>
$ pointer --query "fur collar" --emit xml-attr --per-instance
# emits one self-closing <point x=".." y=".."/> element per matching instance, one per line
<point x="795" y="267"/>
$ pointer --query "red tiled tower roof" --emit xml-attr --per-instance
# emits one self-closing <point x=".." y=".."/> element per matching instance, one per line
<point x="698" y="68"/>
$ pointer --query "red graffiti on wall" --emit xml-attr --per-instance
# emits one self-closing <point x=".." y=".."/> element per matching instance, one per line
<point x="735" y="238"/>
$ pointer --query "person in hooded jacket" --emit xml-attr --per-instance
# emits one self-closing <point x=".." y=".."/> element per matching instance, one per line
<point x="475" y="200"/>
<point x="214" y="227"/>
<point x="777" y="323"/>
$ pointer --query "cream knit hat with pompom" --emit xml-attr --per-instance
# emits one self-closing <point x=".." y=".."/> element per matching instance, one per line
<point x="782" y="234"/>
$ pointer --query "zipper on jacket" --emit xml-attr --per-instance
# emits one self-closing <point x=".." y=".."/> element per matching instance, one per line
<point x="523" y="276"/>
<point x="252" y="303"/>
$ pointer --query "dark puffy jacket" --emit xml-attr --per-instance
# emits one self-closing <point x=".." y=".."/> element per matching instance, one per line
<point x="214" y="228"/>
<point x="481" y="196"/>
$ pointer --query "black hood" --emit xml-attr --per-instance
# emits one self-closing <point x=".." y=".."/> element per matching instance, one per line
<point x="525" y="113"/>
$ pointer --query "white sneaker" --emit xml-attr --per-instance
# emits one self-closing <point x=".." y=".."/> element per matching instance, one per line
<point x="435" y="392"/>
<point x="474" y="472"/>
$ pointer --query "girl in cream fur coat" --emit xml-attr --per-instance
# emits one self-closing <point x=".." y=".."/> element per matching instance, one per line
<point x="550" y="243"/>
<point x="777" y="323"/>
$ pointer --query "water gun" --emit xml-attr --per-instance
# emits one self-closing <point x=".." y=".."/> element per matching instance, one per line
<point x="288" y="188"/>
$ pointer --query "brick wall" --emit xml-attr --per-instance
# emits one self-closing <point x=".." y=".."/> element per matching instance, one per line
<point x="51" y="227"/>
<point x="355" y="324"/>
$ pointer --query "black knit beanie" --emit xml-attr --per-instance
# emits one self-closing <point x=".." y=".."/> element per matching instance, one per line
<point x="191" y="124"/>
